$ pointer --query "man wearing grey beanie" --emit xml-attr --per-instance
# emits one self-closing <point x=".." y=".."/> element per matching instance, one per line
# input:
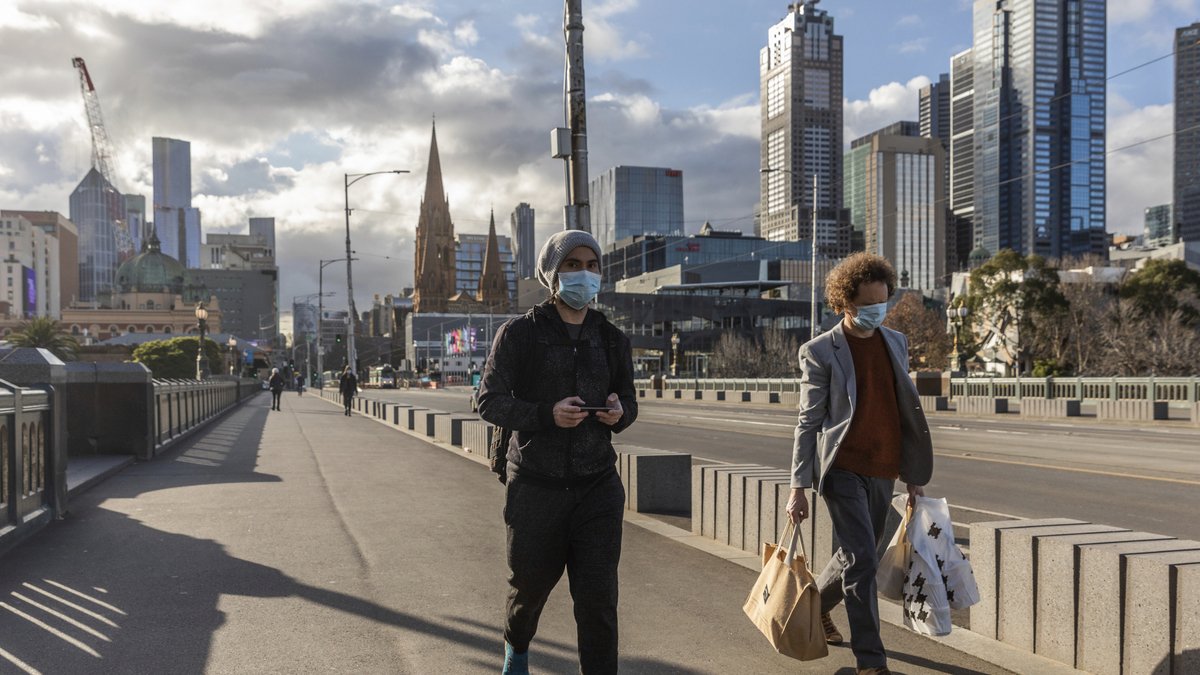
<point x="560" y="379"/>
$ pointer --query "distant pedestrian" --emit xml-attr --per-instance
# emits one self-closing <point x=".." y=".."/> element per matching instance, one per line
<point x="300" y="384"/>
<point x="276" y="386"/>
<point x="860" y="428"/>
<point x="561" y="379"/>
<point x="348" y="386"/>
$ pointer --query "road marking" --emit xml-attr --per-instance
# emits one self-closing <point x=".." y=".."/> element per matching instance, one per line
<point x="1009" y="516"/>
<point x="1005" y="431"/>
<point x="1096" y="472"/>
<point x="725" y="419"/>
<point x="19" y="663"/>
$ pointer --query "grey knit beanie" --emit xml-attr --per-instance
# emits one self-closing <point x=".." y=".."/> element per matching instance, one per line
<point x="555" y="251"/>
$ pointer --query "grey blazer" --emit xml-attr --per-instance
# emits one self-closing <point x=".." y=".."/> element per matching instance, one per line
<point x="827" y="400"/>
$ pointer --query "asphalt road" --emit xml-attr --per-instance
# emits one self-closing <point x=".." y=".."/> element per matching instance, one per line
<point x="1143" y="478"/>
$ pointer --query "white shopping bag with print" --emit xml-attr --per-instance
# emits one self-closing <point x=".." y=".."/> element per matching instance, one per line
<point x="940" y="576"/>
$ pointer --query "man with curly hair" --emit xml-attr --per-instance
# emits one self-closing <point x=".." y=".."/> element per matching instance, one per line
<point x="860" y="428"/>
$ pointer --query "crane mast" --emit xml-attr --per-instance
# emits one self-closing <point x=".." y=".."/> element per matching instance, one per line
<point x="102" y="153"/>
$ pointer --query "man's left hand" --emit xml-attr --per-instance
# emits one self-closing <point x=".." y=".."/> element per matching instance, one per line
<point x="914" y="491"/>
<point x="614" y="413"/>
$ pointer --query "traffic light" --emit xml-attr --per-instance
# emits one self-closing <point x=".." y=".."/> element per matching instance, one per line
<point x="339" y="338"/>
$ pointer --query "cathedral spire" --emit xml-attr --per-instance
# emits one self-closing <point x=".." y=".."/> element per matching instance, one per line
<point x="435" y="193"/>
<point x="493" y="284"/>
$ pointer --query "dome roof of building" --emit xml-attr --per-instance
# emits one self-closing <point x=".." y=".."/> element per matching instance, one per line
<point x="151" y="271"/>
<point x="981" y="254"/>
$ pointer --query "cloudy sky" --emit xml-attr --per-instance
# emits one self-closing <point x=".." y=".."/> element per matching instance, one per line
<point x="280" y="98"/>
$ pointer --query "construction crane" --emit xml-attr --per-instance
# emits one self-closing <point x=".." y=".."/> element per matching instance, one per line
<point x="102" y="153"/>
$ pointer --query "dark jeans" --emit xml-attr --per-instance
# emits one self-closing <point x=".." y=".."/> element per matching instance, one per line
<point x="576" y="528"/>
<point x="348" y="400"/>
<point x="275" y="394"/>
<point x="858" y="506"/>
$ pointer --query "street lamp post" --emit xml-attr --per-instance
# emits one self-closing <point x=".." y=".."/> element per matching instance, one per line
<point x="351" y="179"/>
<point x="956" y="315"/>
<point x="320" y="317"/>
<point x="201" y="360"/>
<point x="233" y="360"/>
<point x="675" y="354"/>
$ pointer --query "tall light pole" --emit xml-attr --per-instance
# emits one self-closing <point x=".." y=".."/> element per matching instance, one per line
<point x="570" y="143"/>
<point x="351" y="179"/>
<point x="307" y="347"/>
<point x="320" y="316"/>
<point x="201" y="360"/>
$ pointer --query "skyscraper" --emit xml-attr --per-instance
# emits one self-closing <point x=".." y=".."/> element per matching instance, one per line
<point x="135" y="218"/>
<point x="95" y="207"/>
<point x="800" y="73"/>
<point x="470" y="257"/>
<point x="1039" y="126"/>
<point x="1158" y="226"/>
<point x="433" y="273"/>
<point x="175" y="221"/>
<point x="524" y="247"/>
<point x="934" y="108"/>
<point x="902" y="202"/>
<point x="961" y="186"/>
<point x="854" y="177"/>
<point x="633" y="200"/>
<point x="1187" y="136"/>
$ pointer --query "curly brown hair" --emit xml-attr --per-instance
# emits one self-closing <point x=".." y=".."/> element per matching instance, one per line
<point x="843" y="281"/>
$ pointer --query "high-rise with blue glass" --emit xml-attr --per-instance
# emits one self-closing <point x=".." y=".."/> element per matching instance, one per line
<point x="176" y="222"/>
<point x="632" y="200"/>
<point x="1039" y="111"/>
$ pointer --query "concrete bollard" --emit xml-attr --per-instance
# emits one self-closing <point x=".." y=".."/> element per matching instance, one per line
<point x="1136" y="411"/>
<point x="1100" y="622"/>
<point x="1054" y="408"/>
<point x="764" y="397"/>
<point x="743" y="508"/>
<point x="762" y="513"/>
<point x="427" y="422"/>
<point x="415" y="417"/>
<point x="1058" y="587"/>
<point x="400" y="414"/>
<point x="980" y="405"/>
<point x="476" y="436"/>
<point x="1151" y="591"/>
<point x="772" y="511"/>
<point x="655" y="481"/>
<point x="935" y="403"/>
<point x="985" y="561"/>
<point x="1186" y="657"/>
<point x="1195" y="415"/>
<point x="1017" y="601"/>
<point x="819" y="530"/>
<point x="704" y="495"/>
<point x="448" y="428"/>
<point x="728" y="510"/>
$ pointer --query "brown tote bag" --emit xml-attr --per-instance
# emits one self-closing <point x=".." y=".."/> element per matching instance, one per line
<point x="784" y="603"/>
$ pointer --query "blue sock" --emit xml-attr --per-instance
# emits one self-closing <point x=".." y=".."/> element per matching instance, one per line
<point x="514" y="663"/>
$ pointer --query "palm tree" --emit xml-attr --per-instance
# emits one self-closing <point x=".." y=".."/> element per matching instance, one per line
<point x="44" y="332"/>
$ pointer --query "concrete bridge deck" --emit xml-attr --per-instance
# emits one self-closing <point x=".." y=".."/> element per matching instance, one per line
<point x="305" y="541"/>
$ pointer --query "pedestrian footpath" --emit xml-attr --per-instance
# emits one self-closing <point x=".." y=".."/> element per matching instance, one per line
<point x="305" y="541"/>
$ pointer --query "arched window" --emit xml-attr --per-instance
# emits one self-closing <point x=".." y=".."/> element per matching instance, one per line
<point x="113" y="330"/>
<point x="131" y="329"/>
<point x="150" y="304"/>
<point x="149" y="329"/>
<point x="75" y="329"/>
<point x="167" y="330"/>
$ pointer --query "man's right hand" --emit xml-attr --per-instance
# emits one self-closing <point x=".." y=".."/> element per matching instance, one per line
<point x="797" y="506"/>
<point x="567" y="413"/>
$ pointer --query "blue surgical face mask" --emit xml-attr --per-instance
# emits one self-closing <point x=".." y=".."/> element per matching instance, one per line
<point x="577" y="289"/>
<point x="870" y="317"/>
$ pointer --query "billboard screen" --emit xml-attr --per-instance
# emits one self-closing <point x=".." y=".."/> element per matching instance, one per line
<point x="29" y="291"/>
<point x="460" y="341"/>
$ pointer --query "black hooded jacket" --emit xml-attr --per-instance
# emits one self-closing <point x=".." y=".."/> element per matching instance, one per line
<point x="534" y="364"/>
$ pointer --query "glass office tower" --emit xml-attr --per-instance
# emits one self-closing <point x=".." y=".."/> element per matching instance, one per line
<point x="1039" y="111"/>
<point x="175" y="221"/>
<point x="633" y="200"/>
<point x="95" y="207"/>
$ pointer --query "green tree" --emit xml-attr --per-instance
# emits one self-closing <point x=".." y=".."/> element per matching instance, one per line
<point x="176" y="358"/>
<point x="1012" y="300"/>
<point x="45" y="333"/>
<point x="1163" y="287"/>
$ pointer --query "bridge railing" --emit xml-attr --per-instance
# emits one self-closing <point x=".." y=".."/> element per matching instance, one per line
<point x="1174" y="389"/>
<point x="24" y="453"/>
<point x="180" y="405"/>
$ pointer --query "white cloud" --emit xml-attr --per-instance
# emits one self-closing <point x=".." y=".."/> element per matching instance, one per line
<point x="11" y="16"/>
<point x="602" y="39"/>
<point x="415" y="12"/>
<point x="892" y="102"/>
<point x="466" y="34"/>
<point x="909" y="20"/>
<point x="1140" y="176"/>
<point x="915" y="46"/>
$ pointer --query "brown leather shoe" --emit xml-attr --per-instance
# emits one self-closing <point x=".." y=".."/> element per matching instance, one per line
<point x="832" y="636"/>
<point x="874" y="671"/>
